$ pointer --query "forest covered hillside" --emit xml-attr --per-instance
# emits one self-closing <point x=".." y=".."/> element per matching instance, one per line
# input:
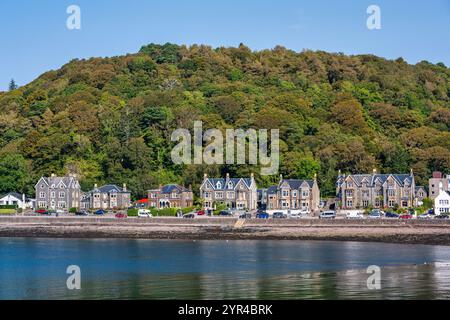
<point x="110" y="119"/>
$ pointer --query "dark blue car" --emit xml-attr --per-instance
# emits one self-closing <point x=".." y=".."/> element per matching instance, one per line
<point x="262" y="215"/>
<point x="392" y="215"/>
<point x="100" y="212"/>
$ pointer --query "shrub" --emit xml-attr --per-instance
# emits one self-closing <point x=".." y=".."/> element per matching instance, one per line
<point x="188" y="210"/>
<point x="7" y="211"/>
<point x="73" y="210"/>
<point x="132" y="212"/>
<point x="166" y="212"/>
<point x="12" y="206"/>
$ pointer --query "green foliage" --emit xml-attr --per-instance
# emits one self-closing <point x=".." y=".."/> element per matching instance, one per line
<point x="7" y="211"/>
<point x="132" y="212"/>
<point x="8" y="206"/>
<point x="110" y="119"/>
<point x="12" y="85"/>
<point x="14" y="174"/>
<point x="72" y="210"/>
<point x="166" y="212"/>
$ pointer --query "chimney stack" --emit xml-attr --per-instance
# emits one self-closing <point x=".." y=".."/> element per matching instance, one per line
<point x="95" y="186"/>
<point x="205" y="176"/>
<point x="124" y="187"/>
<point x="374" y="171"/>
<point x="228" y="176"/>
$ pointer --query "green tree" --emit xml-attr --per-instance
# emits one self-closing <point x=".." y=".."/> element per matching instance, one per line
<point x="12" y="85"/>
<point x="14" y="174"/>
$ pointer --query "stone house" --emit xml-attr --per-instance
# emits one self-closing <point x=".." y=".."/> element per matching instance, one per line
<point x="357" y="191"/>
<point x="58" y="193"/>
<point x="170" y="196"/>
<point x="435" y="182"/>
<point x="107" y="197"/>
<point x="234" y="193"/>
<point x="294" y="194"/>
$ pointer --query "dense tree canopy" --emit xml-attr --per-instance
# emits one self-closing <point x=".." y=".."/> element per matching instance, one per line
<point x="110" y="119"/>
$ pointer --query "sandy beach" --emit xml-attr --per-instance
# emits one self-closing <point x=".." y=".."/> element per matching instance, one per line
<point x="412" y="232"/>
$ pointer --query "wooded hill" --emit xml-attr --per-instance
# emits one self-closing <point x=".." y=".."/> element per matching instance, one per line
<point x="110" y="119"/>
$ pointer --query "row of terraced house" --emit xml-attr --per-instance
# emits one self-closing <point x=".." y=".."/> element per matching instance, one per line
<point x="354" y="191"/>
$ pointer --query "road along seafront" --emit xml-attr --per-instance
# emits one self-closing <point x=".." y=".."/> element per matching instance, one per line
<point x="433" y="232"/>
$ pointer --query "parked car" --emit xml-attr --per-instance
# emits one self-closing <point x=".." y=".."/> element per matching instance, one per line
<point x="226" y="213"/>
<point x="189" y="216"/>
<point x="376" y="214"/>
<point x="262" y="215"/>
<point x="391" y="215"/>
<point x="442" y="217"/>
<point x="59" y="211"/>
<point x="42" y="211"/>
<point x="354" y="215"/>
<point x="426" y="216"/>
<point x="201" y="212"/>
<point x="293" y="215"/>
<point x="121" y="215"/>
<point x="406" y="217"/>
<point x="279" y="215"/>
<point x="245" y="216"/>
<point x="304" y="213"/>
<point x="82" y="213"/>
<point x="144" y="213"/>
<point x="327" y="215"/>
<point x="100" y="212"/>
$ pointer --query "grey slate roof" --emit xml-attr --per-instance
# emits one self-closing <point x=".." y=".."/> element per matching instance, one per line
<point x="272" y="190"/>
<point x="296" y="183"/>
<point x="372" y="178"/>
<point x="224" y="181"/>
<point x="56" y="180"/>
<point x="110" y="188"/>
<point x="172" y="187"/>
<point x="14" y="194"/>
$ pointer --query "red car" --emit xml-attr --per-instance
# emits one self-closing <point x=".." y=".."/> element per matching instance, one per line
<point x="201" y="212"/>
<point x="42" y="211"/>
<point x="121" y="216"/>
<point x="406" y="217"/>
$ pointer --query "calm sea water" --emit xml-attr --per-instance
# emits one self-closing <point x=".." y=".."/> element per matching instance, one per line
<point x="149" y="269"/>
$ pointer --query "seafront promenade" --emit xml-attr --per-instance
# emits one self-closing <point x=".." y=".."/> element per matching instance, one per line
<point x="434" y="232"/>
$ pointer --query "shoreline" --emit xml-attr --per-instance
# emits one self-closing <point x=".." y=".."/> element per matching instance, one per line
<point x="399" y="232"/>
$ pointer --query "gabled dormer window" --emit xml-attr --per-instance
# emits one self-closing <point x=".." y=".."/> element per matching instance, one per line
<point x="230" y="185"/>
<point x="218" y="185"/>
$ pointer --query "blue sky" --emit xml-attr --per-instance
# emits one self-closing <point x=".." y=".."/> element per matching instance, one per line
<point x="34" y="37"/>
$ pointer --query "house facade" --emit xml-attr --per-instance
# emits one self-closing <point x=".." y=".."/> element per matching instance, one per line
<point x="421" y="194"/>
<point x="435" y="182"/>
<point x="16" y="199"/>
<point x="55" y="193"/>
<point x="357" y="191"/>
<point x="170" y="196"/>
<point x="234" y="193"/>
<point x="294" y="194"/>
<point x="442" y="202"/>
<point x="106" y="197"/>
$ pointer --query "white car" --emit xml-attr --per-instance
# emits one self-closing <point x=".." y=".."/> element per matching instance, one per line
<point x="294" y="215"/>
<point x="354" y="215"/>
<point x="304" y="213"/>
<point x="143" y="213"/>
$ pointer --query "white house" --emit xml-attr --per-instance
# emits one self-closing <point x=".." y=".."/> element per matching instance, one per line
<point x="442" y="202"/>
<point x="16" y="199"/>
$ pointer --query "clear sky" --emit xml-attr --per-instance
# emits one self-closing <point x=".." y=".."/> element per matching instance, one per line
<point x="34" y="37"/>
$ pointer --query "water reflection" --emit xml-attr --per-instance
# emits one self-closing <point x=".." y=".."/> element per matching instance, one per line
<point x="121" y="269"/>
